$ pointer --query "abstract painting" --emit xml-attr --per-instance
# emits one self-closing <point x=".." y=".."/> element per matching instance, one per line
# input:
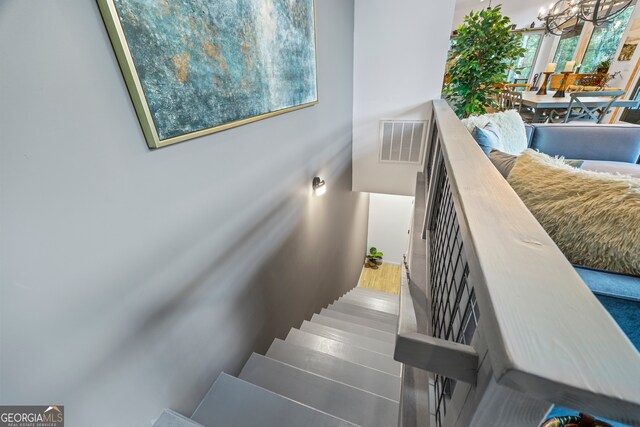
<point x="195" y="67"/>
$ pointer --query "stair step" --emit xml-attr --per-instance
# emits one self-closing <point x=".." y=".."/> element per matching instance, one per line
<point x="378" y="297"/>
<point x="337" y="369"/>
<point x="371" y="344"/>
<point x="354" y="328"/>
<point x="367" y="313"/>
<point x="341" y="400"/>
<point x="344" y="351"/>
<point x="232" y="402"/>
<point x="381" y="326"/>
<point x="170" y="418"/>
<point x="376" y="294"/>
<point x="394" y="303"/>
<point x="372" y="303"/>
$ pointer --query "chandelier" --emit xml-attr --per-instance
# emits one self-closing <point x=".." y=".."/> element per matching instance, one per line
<point x="600" y="12"/>
<point x="564" y="13"/>
<point x="559" y="16"/>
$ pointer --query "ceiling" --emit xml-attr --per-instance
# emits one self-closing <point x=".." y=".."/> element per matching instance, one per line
<point x="521" y="12"/>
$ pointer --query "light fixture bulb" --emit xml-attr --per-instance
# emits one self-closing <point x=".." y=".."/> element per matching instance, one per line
<point x="319" y="186"/>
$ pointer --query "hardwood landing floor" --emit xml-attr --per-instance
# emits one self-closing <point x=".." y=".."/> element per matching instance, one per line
<point x="386" y="278"/>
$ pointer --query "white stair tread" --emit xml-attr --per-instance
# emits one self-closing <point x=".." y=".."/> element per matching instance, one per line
<point x="344" y="351"/>
<point x="232" y="402"/>
<point x="354" y="328"/>
<point x="371" y="344"/>
<point x="341" y="400"/>
<point x="367" y="313"/>
<point x="386" y="327"/>
<point x="377" y="294"/>
<point x="372" y="303"/>
<point x="170" y="418"/>
<point x="337" y="369"/>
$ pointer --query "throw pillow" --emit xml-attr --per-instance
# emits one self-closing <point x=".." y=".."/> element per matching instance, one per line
<point x="623" y="168"/>
<point x="487" y="137"/>
<point x="592" y="216"/>
<point x="504" y="162"/>
<point x="509" y="127"/>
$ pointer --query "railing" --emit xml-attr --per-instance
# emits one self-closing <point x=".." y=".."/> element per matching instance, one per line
<point x="512" y="329"/>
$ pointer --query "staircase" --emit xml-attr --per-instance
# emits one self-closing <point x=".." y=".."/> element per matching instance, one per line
<point x="336" y="370"/>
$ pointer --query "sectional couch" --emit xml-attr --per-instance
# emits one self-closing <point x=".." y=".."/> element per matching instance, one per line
<point x="605" y="148"/>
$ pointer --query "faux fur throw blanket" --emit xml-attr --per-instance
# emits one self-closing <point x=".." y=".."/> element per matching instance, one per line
<point x="593" y="217"/>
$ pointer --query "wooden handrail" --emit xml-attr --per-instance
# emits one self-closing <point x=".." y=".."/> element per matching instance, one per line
<point x="546" y="334"/>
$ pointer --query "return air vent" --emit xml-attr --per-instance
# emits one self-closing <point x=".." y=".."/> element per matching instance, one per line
<point x="401" y="141"/>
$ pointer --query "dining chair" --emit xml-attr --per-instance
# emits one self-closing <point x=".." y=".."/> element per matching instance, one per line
<point x="579" y="111"/>
<point x="512" y="100"/>
<point x="517" y="86"/>
<point x="509" y="100"/>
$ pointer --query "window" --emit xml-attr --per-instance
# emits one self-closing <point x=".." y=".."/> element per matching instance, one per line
<point x="567" y="46"/>
<point x="531" y="42"/>
<point x="604" y="42"/>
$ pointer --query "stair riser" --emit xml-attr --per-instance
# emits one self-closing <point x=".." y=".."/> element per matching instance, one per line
<point x="372" y="303"/>
<point x="232" y="402"/>
<point x="375" y="294"/>
<point x="340" y="370"/>
<point x="355" y="310"/>
<point x="344" y="351"/>
<point x="354" y="328"/>
<point x="385" y="327"/>
<point x="343" y="401"/>
<point x="349" y="338"/>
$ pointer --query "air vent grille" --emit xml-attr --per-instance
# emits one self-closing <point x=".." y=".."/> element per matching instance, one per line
<point x="401" y="141"/>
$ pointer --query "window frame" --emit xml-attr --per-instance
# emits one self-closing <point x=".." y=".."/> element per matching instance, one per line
<point x="578" y="35"/>
<point x="535" y="56"/>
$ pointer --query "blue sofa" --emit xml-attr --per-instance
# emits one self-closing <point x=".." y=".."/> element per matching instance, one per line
<point x="612" y="143"/>
<point x="608" y="148"/>
<point x="615" y="148"/>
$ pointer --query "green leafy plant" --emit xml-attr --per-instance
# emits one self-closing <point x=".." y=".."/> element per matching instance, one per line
<point x="603" y="67"/>
<point x="480" y="58"/>
<point x="374" y="258"/>
<point x="606" y="79"/>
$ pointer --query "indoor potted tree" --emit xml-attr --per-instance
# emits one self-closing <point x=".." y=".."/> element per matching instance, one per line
<point x="374" y="258"/>
<point x="483" y="51"/>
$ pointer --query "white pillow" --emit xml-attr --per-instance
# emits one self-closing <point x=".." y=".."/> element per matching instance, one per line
<point x="509" y="127"/>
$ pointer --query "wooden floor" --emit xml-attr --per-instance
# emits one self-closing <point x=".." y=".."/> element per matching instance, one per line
<point x="386" y="278"/>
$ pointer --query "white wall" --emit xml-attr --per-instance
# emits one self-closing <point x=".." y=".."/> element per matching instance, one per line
<point x="400" y="49"/>
<point x="130" y="278"/>
<point x="389" y="222"/>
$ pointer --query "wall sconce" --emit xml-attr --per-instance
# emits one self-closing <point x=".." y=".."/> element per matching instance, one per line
<point x="319" y="186"/>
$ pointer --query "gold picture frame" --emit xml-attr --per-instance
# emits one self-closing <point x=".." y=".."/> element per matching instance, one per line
<point x="136" y="86"/>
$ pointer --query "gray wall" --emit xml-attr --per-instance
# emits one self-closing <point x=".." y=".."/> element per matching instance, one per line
<point x="130" y="278"/>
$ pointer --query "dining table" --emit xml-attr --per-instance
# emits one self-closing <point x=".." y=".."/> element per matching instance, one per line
<point x="544" y="103"/>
